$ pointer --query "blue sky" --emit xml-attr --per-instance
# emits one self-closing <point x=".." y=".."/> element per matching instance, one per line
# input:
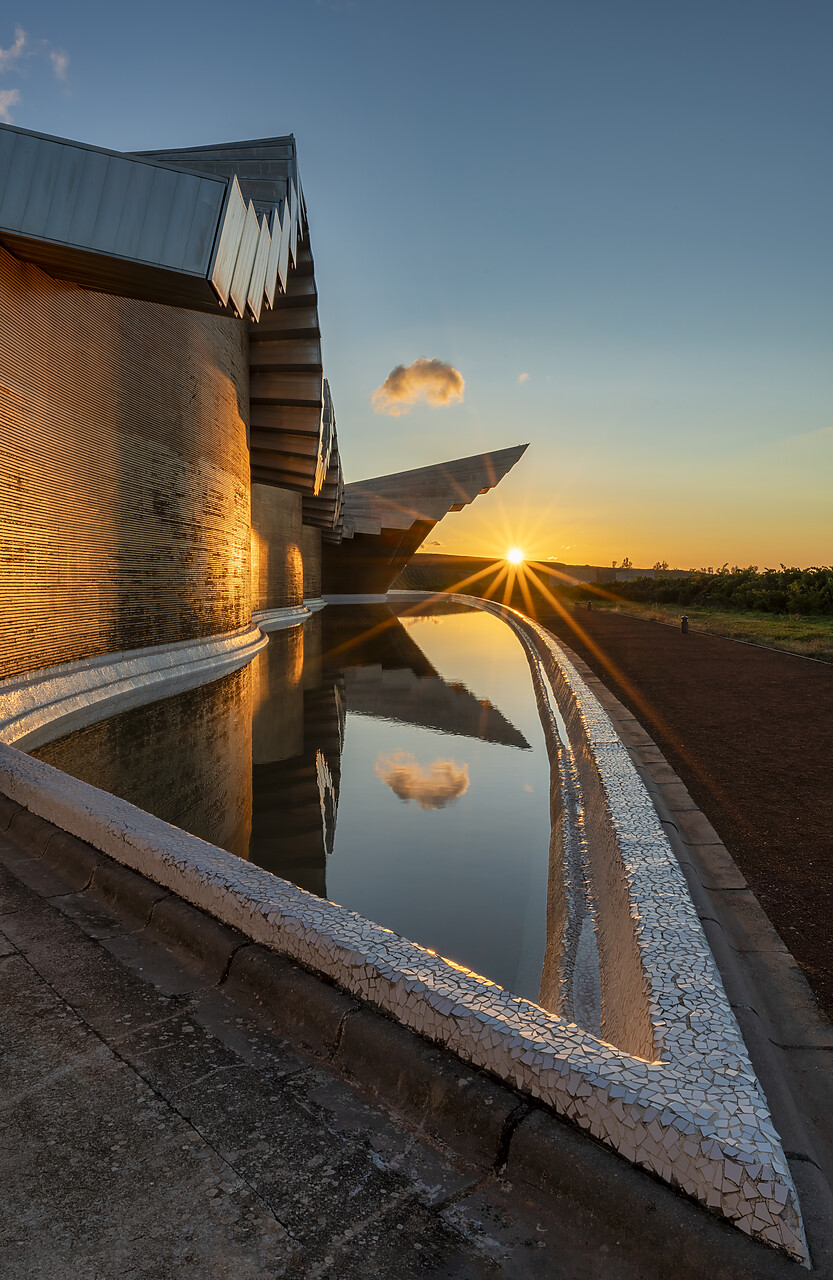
<point x="629" y="203"/>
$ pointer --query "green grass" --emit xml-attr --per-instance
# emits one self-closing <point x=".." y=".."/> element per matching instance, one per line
<point x="812" y="637"/>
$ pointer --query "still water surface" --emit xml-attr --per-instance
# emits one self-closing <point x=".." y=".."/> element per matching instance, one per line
<point x="394" y="765"/>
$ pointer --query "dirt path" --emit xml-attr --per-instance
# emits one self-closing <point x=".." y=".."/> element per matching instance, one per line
<point x="750" y="732"/>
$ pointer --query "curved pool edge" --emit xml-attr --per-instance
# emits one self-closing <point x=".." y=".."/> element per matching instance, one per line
<point x="41" y="705"/>
<point x="696" y="1035"/>
<point x="642" y="1109"/>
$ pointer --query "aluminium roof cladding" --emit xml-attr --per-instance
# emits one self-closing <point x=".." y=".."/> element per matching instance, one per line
<point x="146" y="226"/>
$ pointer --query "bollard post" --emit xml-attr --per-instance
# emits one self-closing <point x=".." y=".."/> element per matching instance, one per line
<point x="684" y="624"/>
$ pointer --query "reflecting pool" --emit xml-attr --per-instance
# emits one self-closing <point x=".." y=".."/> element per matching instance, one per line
<point x="394" y="764"/>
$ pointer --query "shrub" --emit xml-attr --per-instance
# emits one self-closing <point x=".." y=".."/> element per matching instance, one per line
<point x="782" y="590"/>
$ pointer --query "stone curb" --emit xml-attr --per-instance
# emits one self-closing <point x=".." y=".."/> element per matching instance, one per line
<point x="113" y="884"/>
<point x="450" y="1101"/>
<point x="556" y="1159"/>
<point x="292" y="998"/>
<point x="211" y="943"/>
<point x="70" y="858"/>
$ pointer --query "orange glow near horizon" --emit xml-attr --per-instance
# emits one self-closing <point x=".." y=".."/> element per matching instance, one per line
<point x="514" y="555"/>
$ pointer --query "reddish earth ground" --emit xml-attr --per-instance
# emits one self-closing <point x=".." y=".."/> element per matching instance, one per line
<point x="750" y="732"/>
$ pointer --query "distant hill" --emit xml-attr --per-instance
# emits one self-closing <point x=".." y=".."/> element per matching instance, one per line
<point x="432" y="571"/>
<point x="788" y="590"/>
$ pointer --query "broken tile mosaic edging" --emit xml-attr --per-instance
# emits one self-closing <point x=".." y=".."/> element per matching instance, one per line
<point x="695" y="1116"/>
<point x="42" y="705"/>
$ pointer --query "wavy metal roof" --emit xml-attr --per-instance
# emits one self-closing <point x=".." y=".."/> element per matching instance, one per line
<point x="207" y="228"/>
<point x="400" y="500"/>
<point x="108" y="221"/>
<point x="293" y="436"/>
<point x="220" y="228"/>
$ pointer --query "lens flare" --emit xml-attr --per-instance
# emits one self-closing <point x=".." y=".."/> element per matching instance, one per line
<point x="514" y="555"/>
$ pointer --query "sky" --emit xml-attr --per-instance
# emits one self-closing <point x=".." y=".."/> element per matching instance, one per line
<point x="611" y="219"/>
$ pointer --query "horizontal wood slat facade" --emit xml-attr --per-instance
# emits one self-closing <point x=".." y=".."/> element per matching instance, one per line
<point x="311" y="552"/>
<point x="277" y="566"/>
<point x="292" y="420"/>
<point x="124" y="473"/>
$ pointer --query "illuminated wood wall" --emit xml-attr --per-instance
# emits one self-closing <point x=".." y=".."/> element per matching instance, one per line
<point x="311" y="551"/>
<point x="277" y="562"/>
<point x="124" y="472"/>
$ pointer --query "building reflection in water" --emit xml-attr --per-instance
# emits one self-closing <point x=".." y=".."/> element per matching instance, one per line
<point x="354" y="658"/>
<point x="297" y="737"/>
<point x="255" y="762"/>
<point x="185" y="759"/>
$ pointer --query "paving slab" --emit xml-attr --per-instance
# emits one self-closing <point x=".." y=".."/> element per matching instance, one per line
<point x="106" y="994"/>
<point x="533" y="1247"/>
<point x="323" y="1178"/>
<point x="395" y="1149"/>
<point x="237" y="1025"/>
<point x="99" y="1178"/>
<point x="14" y="896"/>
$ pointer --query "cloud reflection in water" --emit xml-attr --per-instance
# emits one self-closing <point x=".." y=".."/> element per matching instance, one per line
<point x="434" y="787"/>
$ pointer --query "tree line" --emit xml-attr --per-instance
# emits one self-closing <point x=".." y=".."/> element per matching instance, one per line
<point x="783" y="590"/>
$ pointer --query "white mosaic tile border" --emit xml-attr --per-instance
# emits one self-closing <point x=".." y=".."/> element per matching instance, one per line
<point x="288" y="616"/>
<point x="41" y="705"/>
<point x="698" y="1051"/>
<point x="696" y="1116"/>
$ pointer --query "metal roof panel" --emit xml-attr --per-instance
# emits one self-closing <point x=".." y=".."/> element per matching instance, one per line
<point x="18" y="182"/>
<point x="105" y="232"/>
<point x="231" y="233"/>
<point x="271" y="279"/>
<point x="293" y="215"/>
<point x="254" y="297"/>
<point x="88" y="198"/>
<point x="245" y="261"/>
<point x="70" y="176"/>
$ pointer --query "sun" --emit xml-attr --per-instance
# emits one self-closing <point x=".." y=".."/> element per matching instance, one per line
<point x="514" y="555"/>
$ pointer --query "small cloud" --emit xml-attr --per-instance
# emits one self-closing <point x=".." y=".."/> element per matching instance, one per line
<point x="432" y="381"/>
<point x="11" y="57"/>
<point x="440" y="784"/>
<point x="15" y="51"/>
<point x="8" y="98"/>
<point x="435" y="543"/>
<point x="529" y="788"/>
<point x="523" y="377"/>
<point x="60" y="62"/>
